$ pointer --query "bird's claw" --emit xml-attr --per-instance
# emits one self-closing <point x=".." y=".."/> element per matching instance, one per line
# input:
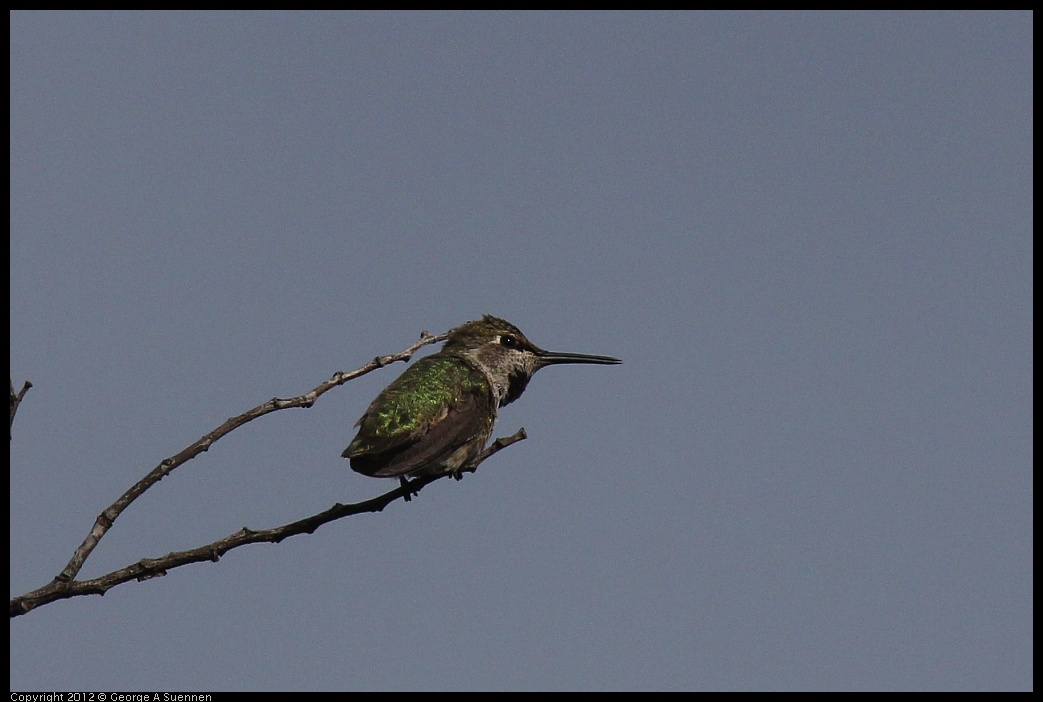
<point x="409" y="493"/>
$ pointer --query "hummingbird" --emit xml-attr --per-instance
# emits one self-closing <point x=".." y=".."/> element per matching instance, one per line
<point x="438" y="415"/>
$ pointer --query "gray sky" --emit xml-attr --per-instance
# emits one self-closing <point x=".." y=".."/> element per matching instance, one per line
<point x="807" y="235"/>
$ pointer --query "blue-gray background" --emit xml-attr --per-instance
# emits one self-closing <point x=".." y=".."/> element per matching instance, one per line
<point x="807" y="235"/>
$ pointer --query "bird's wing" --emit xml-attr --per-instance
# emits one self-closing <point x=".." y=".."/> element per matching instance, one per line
<point x="418" y="421"/>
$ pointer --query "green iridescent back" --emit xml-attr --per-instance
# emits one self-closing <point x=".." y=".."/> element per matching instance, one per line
<point x="439" y="405"/>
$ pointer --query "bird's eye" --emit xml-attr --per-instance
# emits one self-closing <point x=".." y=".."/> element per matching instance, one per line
<point x="509" y="341"/>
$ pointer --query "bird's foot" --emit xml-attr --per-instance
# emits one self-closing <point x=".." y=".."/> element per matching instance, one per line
<point x="405" y="483"/>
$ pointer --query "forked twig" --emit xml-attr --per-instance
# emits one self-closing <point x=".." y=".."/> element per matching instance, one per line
<point x="64" y="585"/>
<point x="16" y="397"/>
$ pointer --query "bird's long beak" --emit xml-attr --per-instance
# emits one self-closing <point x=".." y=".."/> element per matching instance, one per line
<point x="550" y="358"/>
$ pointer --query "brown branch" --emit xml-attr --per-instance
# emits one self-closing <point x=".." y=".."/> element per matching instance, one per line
<point x="16" y="399"/>
<point x="148" y="568"/>
<point x="65" y="581"/>
<point x="165" y="467"/>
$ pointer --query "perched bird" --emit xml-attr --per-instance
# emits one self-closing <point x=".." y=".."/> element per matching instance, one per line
<point x="438" y="415"/>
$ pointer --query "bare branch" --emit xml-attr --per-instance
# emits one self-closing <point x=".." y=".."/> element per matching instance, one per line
<point x="148" y="568"/>
<point x="16" y="399"/>
<point x="165" y="467"/>
<point x="65" y="584"/>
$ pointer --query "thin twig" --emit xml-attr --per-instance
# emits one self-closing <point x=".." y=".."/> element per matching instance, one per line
<point x="105" y="520"/>
<point x="64" y="585"/>
<point x="148" y="568"/>
<point x="16" y="399"/>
